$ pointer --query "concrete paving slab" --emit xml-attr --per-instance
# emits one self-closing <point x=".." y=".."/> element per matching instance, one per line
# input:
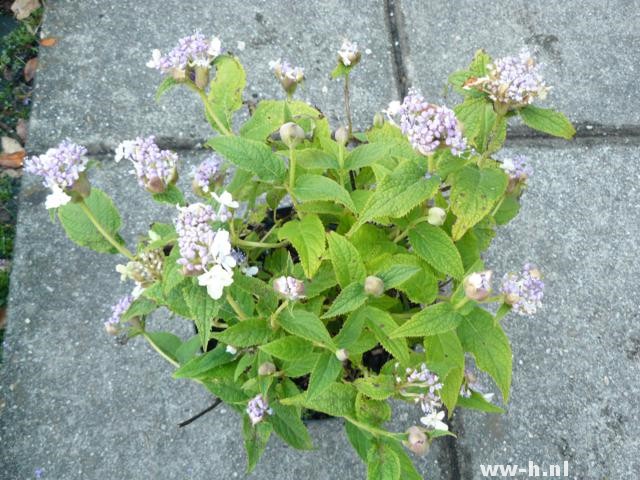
<point x="585" y="45"/>
<point x="77" y="405"/>
<point x="94" y="87"/>
<point x="576" y="363"/>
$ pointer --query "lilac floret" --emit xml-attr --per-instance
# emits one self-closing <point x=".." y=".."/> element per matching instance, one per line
<point x="524" y="291"/>
<point x="429" y="126"/>
<point x="119" y="309"/>
<point x="517" y="168"/>
<point x="154" y="168"/>
<point x="257" y="408"/>
<point x="207" y="173"/>
<point x="195" y="235"/>
<point x="59" y="167"/>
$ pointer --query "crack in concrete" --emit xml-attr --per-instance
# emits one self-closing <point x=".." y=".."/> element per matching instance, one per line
<point x="394" y="18"/>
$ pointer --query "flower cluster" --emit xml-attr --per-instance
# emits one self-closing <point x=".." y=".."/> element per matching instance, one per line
<point x="207" y="175"/>
<point x="424" y="387"/>
<point x="288" y="75"/>
<point x="289" y="287"/>
<point x="428" y="126"/>
<point x="514" y="81"/>
<point x="257" y="408"/>
<point x="144" y="271"/>
<point x="517" y="168"/>
<point x="119" y="309"/>
<point x="155" y="168"/>
<point x="60" y="169"/>
<point x="194" y="50"/>
<point x="349" y="54"/>
<point x="523" y="291"/>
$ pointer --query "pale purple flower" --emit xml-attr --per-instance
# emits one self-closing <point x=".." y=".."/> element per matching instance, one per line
<point x="523" y="291"/>
<point x="429" y="127"/>
<point x="193" y="50"/>
<point x="118" y="310"/>
<point x="288" y="75"/>
<point x="208" y="173"/>
<point x="423" y="386"/>
<point x="154" y="168"/>
<point x="517" y="168"/>
<point x="38" y="472"/>
<point x="515" y="81"/>
<point x="257" y="408"/>
<point x="289" y="287"/>
<point x="59" y="168"/>
<point x="195" y="235"/>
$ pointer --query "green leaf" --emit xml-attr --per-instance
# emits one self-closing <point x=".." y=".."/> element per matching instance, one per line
<point x="489" y="345"/>
<point x="345" y="259"/>
<point x="474" y="192"/>
<point x="172" y="195"/>
<point x="307" y="237"/>
<point x="311" y="188"/>
<point x="477" y="402"/>
<point x="167" y="342"/>
<point x="288" y="348"/>
<point x="378" y="387"/>
<point x="253" y="331"/>
<point x="398" y="193"/>
<point x="373" y="412"/>
<point x="438" y="318"/>
<point x="225" y="90"/>
<point x="368" y="154"/>
<point x="167" y="84"/>
<point x="315" y="159"/>
<point x="479" y="120"/>
<point x="188" y="349"/>
<point x="445" y="355"/>
<point x="436" y="247"/>
<point x="323" y="280"/>
<point x="79" y="228"/>
<point x="338" y="400"/>
<point x="327" y="368"/>
<point x="306" y="325"/>
<point x="407" y="469"/>
<point x="397" y="275"/>
<point x="203" y="363"/>
<point x="547" y="121"/>
<point x="508" y="210"/>
<point x="288" y="425"/>
<point x="203" y="309"/>
<point x="139" y="308"/>
<point x="348" y="300"/>
<point x="360" y="439"/>
<point x="383" y="463"/>
<point x="256" y="438"/>
<point x="382" y="324"/>
<point x="250" y="155"/>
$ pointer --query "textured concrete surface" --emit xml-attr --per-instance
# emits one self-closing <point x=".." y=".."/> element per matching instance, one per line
<point x="585" y="45"/>
<point x="94" y="86"/>
<point x="82" y="407"/>
<point x="576" y="363"/>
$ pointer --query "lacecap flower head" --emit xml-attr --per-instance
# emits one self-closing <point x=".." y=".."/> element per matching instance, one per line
<point x="524" y="290"/>
<point x="288" y="75"/>
<point x="60" y="169"/>
<point x="192" y="51"/>
<point x="154" y="168"/>
<point x="427" y="126"/>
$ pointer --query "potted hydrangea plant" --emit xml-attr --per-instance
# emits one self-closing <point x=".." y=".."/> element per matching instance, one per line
<point x="325" y="270"/>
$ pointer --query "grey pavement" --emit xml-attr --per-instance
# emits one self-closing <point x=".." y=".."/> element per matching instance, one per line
<point x="79" y="406"/>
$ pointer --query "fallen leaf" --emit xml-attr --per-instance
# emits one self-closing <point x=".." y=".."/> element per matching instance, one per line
<point x="30" y="69"/>
<point x="2" y="318"/>
<point x="48" y="42"/>
<point x="10" y="145"/>
<point x="22" y="130"/>
<point x="23" y="8"/>
<point x="12" y="160"/>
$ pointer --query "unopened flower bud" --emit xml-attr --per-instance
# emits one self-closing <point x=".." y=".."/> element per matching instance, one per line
<point x="289" y="287"/>
<point x="373" y="286"/>
<point x="156" y="185"/>
<point x="202" y="76"/>
<point x="267" y="368"/>
<point x="436" y="216"/>
<point x="342" y="136"/>
<point x="349" y="54"/>
<point x="477" y="286"/>
<point x="378" y="120"/>
<point x="342" y="354"/>
<point x="291" y="134"/>
<point x="417" y="441"/>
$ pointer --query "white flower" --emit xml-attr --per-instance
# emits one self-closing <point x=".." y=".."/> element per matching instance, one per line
<point x="225" y="199"/>
<point x="250" y="271"/>
<point x="488" y="396"/>
<point x="349" y="53"/>
<point x="392" y="111"/>
<point x="220" y="250"/>
<point x="434" y="421"/>
<point x="137" y="291"/>
<point x="215" y="47"/>
<point x="125" y="150"/>
<point x="231" y="349"/>
<point x="155" y="59"/>
<point x="57" y="198"/>
<point x="215" y="280"/>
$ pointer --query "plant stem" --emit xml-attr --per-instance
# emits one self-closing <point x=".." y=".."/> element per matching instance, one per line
<point x="107" y="236"/>
<point x="236" y="308"/>
<point x="431" y="164"/>
<point x="411" y="225"/>
<point x="249" y="243"/>
<point x="274" y="315"/>
<point x="224" y="130"/>
<point x="347" y="104"/>
<point x="492" y="134"/>
<point x="292" y="168"/>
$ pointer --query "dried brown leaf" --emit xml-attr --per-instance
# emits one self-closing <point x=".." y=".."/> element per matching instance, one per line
<point x="48" y="42"/>
<point x="30" y="69"/>
<point x="22" y="130"/>
<point x="10" y="145"/>
<point x="12" y="160"/>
